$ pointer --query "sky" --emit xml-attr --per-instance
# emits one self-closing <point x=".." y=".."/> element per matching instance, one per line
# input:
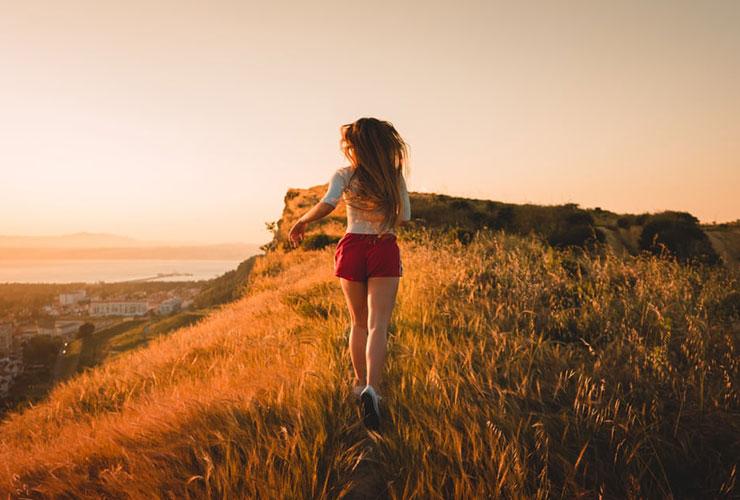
<point x="189" y="121"/>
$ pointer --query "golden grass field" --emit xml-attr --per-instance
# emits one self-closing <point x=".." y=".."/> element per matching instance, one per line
<point x="513" y="371"/>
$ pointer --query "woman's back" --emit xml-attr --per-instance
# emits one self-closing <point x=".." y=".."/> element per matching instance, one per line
<point x="360" y="220"/>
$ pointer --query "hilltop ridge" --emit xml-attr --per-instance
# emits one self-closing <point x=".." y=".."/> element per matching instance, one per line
<point x="559" y="225"/>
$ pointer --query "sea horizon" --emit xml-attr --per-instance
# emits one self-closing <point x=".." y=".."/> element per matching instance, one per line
<point x="64" y="271"/>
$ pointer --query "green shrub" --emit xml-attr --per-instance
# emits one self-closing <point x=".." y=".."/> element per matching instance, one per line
<point x="273" y="269"/>
<point x="579" y="218"/>
<point x="478" y="219"/>
<point x="573" y="227"/>
<point x="578" y="235"/>
<point x="492" y="205"/>
<point x="85" y="330"/>
<point x="678" y="233"/>
<point x="318" y="241"/>
<point x="728" y="307"/>
<point x="292" y="193"/>
<point x="460" y="205"/>
<point x="41" y="350"/>
<point x="464" y="236"/>
<point x="503" y="219"/>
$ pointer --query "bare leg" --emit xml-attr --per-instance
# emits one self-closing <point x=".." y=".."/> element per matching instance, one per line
<point x="355" y="293"/>
<point x="381" y="295"/>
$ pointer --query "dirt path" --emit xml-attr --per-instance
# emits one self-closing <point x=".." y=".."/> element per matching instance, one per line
<point x="367" y="480"/>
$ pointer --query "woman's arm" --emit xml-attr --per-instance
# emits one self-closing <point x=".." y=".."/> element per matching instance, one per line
<point x="318" y="211"/>
<point x="324" y="207"/>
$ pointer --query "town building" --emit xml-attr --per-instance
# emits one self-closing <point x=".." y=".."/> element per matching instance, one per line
<point x="45" y="327"/>
<point x="50" y="310"/>
<point x="118" y="308"/>
<point x="67" y="328"/>
<point x="70" y="299"/>
<point x="23" y="333"/>
<point x="170" y="305"/>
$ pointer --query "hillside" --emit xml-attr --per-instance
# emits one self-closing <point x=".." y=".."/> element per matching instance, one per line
<point x="514" y="370"/>
<point x="83" y="353"/>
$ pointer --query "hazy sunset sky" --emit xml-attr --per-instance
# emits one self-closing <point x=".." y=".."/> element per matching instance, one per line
<point x="188" y="121"/>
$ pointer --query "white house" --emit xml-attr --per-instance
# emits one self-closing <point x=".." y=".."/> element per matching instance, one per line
<point x="118" y="308"/>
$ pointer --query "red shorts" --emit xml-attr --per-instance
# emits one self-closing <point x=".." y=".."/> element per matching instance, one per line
<point x="362" y="256"/>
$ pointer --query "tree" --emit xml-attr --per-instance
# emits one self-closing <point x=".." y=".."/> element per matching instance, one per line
<point x="41" y="350"/>
<point x="85" y="330"/>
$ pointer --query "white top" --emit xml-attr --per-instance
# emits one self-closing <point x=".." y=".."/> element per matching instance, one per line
<point x="362" y="221"/>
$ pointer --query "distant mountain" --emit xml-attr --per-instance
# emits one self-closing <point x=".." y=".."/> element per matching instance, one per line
<point x="75" y="240"/>
<point x="225" y="251"/>
<point x="112" y="246"/>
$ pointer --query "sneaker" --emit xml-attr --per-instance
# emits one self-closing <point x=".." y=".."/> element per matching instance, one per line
<point x="357" y="390"/>
<point x="370" y="409"/>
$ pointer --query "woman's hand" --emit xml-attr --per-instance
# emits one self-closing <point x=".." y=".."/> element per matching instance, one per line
<point x="318" y="211"/>
<point x="296" y="232"/>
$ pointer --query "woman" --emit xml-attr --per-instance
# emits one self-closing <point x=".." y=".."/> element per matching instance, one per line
<point x="367" y="259"/>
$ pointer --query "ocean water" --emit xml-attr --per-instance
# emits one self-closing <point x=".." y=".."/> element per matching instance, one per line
<point x="93" y="270"/>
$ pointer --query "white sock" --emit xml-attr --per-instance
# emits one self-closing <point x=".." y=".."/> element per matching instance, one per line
<point x="376" y="392"/>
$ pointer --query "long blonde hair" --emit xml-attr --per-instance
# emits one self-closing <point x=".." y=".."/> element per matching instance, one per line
<point x="380" y="157"/>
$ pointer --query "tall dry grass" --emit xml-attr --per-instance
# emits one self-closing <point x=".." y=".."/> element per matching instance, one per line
<point x="513" y="371"/>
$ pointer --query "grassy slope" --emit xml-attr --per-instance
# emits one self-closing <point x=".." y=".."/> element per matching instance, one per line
<point x="725" y="239"/>
<point x="513" y="370"/>
<point x="127" y="335"/>
<point x="143" y="334"/>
